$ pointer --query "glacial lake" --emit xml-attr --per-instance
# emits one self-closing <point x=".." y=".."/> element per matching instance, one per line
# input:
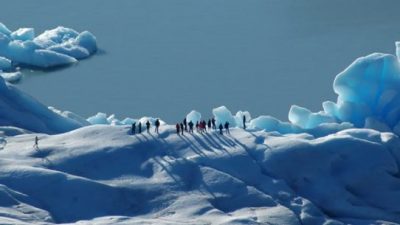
<point x="166" y="57"/>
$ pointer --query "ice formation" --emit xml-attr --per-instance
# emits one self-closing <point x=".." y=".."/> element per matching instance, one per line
<point x="57" y="47"/>
<point x="324" y="168"/>
<point x="101" y="175"/>
<point x="193" y="116"/>
<point x="368" y="96"/>
<point x="21" y="110"/>
<point x="11" y="77"/>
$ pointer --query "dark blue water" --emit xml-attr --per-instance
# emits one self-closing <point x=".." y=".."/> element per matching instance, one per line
<point x="166" y="57"/>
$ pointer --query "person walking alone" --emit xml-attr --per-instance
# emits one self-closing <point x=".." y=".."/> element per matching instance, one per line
<point x="36" y="144"/>
<point x="244" y="122"/>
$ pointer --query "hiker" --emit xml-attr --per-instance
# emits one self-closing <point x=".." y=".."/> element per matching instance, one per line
<point x="140" y="128"/>
<point x="209" y="124"/>
<point x="148" y="126"/>
<point x="178" y="127"/>
<point x="133" y="129"/>
<point x="227" y="127"/>
<point x="182" y="128"/>
<point x="201" y="128"/>
<point x="197" y="126"/>
<point x="185" y="124"/>
<point x="213" y="123"/>
<point x="204" y="125"/>
<point x="220" y="128"/>
<point x="190" y="127"/>
<point x="157" y="123"/>
<point x="244" y="122"/>
<point x="36" y="145"/>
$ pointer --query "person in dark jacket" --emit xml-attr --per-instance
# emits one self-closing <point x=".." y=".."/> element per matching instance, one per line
<point x="36" y="144"/>
<point x="133" y="129"/>
<point x="227" y="127"/>
<point x="213" y="123"/>
<point x="157" y="125"/>
<point x="190" y="127"/>
<point x="178" y="129"/>
<point x="148" y="126"/>
<point x="244" y="122"/>
<point x="182" y="128"/>
<point x="220" y="128"/>
<point x="140" y="127"/>
<point x="209" y="124"/>
<point x="185" y="124"/>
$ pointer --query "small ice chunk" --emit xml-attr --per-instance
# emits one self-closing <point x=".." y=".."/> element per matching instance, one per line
<point x="13" y="77"/>
<point x="223" y="115"/>
<point x="99" y="118"/>
<point x="239" y="118"/>
<point x="88" y="41"/>
<point x="193" y="116"/>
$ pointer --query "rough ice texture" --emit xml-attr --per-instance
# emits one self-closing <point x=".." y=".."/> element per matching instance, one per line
<point x="108" y="177"/>
<point x="57" y="47"/>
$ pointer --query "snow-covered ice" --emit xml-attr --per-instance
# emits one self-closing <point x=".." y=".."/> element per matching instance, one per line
<point x="102" y="175"/>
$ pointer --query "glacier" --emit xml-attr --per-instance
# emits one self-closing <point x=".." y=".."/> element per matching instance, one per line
<point x="57" y="47"/>
<point x="338" y="166"/>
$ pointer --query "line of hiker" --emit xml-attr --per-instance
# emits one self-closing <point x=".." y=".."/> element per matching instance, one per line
<point x="148" y="125"/>
<point x="184" y="126"/>
<point x="203" y="126"/>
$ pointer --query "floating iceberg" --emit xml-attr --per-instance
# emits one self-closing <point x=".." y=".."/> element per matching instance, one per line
<point x="368" y="96"/>
<point x="57" y="47"/>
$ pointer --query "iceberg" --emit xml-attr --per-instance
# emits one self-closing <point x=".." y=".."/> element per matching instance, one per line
<point x="193" y="116"/>
<point x="56" y="47"/>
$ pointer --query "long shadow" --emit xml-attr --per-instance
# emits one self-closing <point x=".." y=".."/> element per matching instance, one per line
<point x="176" y="180"/>
<point x="201" y="142"/>
<point x="211" y="141"/>
<point x="222" y="140"/>
<point x="192" y="145"/>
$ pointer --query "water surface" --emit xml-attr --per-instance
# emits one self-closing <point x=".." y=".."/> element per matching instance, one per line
<point x="166" y="57"/>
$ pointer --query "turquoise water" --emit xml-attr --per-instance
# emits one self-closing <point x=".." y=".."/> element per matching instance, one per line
<point x="166" y="57"/>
